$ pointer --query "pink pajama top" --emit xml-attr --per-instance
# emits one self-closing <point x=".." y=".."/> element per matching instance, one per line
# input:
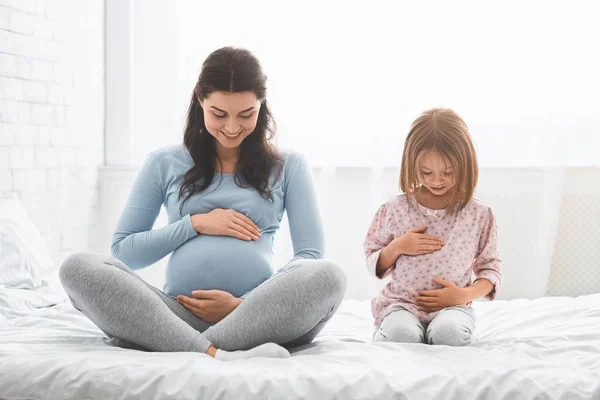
<point x="470" y="247"/>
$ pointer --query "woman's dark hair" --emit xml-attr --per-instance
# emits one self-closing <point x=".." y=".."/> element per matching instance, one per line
<point x="231" y="70"/>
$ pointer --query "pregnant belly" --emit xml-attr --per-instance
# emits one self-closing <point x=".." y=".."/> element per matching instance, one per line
<point x="219" y="262"/>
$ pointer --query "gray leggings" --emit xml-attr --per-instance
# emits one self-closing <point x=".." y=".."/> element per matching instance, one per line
<point x="289" y="309"/>
<point x="453" y="326"/>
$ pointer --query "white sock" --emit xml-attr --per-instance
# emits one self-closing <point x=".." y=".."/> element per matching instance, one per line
<point x="270" y="350"/>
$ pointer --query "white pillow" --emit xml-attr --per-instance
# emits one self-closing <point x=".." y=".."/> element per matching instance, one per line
<point x="24" y="257"/>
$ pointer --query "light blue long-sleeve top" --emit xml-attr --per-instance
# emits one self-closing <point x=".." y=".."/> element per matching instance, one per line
<point x="214" y="262"/>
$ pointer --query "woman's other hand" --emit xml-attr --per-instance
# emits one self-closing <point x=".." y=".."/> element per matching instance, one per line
<point x="221" y="222"/>
<point x="210" y="305"/>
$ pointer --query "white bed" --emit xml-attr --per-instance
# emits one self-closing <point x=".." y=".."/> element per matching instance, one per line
<point x="542" y="349"/>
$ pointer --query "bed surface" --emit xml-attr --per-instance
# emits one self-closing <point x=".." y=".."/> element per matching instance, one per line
<point x="547" y="348"/>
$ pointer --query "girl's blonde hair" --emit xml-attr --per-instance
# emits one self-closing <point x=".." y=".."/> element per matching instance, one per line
<point x="444" y="131"/>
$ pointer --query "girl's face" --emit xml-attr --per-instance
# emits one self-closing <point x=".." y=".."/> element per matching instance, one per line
<point x="436" y="173"/>
<point x="230" y="117"/>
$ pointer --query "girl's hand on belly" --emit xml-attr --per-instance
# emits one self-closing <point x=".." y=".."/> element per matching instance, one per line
<point x="221" y="222"/>
<point x="210" y="305"/>
<point x="435" y="300"/>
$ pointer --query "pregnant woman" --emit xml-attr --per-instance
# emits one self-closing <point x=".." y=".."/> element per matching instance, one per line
<point x="225" y="190"/>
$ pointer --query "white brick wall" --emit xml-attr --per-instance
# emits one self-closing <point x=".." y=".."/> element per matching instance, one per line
<point x="52" y="115"/>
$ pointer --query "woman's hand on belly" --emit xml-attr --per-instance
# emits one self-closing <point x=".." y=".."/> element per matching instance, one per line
<point x="210" y="305"/>
<point x="221" y="222"/>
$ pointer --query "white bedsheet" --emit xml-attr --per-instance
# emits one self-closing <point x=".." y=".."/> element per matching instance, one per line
<point x="544" y="349"/>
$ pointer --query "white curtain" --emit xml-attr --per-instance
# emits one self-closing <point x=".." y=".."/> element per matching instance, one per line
<point x="351" y="76"/>
<point x="346" y="79"/>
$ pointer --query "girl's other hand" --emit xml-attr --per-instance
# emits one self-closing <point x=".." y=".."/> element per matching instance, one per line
<point x="416" y="242"/>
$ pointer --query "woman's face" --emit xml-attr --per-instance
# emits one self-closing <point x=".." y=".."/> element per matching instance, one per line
<point x="230" y="117"/>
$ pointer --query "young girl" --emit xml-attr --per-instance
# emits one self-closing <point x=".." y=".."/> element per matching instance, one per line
<point x="432" y="238"/>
